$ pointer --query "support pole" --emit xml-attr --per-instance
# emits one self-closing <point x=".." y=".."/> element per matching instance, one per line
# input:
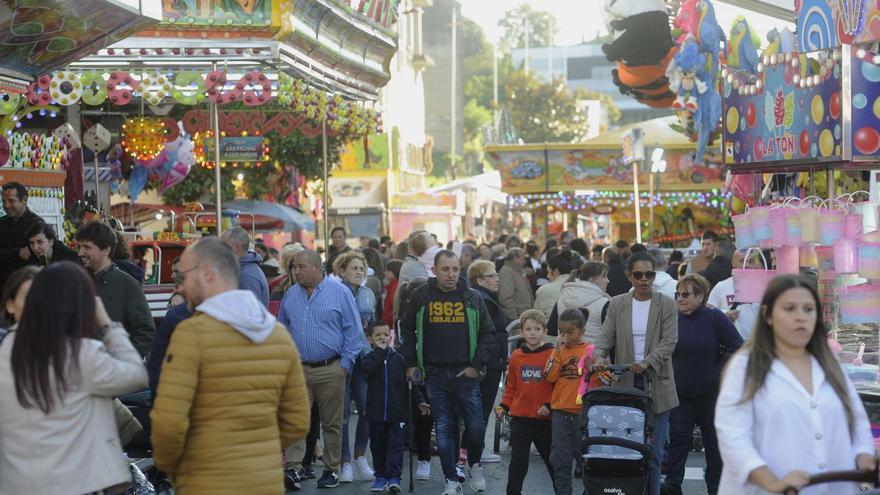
<point x="453" y="74"/>
<point x="215" y="124"/>
<point x="651" y="206"/>
<point x="637" y="202"/>
<point x="325" y="210"/>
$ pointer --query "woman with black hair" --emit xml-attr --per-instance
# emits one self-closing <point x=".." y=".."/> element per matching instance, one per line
<point x="14" y="295"/>
<point x="59" y="371"/>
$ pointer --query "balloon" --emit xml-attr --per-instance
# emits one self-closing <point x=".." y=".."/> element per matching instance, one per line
<point x="817" y="109"/>
<point x="805" y="143"/>
<point x="877" y="107"/>
<point x="185" y="154"/>
<point x="871" y="71"/>
<point x="826" y="143"/>
<point x="834" y="105"/>
<point x="137" y="181"/>
<point x="867" y="140"/>
<point x="177" y="173"/>
<point x="758" y="150"/>
<point x="751" y="116"/>
<point x="155" y="162"/>
<point x="732" y="120"/>
<point x="860" y="101"/>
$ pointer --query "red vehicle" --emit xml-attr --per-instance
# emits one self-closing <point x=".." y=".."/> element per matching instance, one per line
<point x="157" y="257"/>
<point x="702" y="173"/>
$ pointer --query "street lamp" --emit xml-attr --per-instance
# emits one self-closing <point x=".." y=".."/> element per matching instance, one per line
<point x="658" y="166"/>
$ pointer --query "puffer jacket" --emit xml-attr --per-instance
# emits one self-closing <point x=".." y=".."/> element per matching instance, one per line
<point x="231" y="396"/>
<point x="584" y="294"/>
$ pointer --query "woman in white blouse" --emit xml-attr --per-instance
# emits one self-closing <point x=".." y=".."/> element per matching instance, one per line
<point x="786" y="409"/>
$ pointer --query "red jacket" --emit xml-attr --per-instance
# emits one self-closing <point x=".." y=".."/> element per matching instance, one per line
<point x="388" y="309"/>
<point x="526" y="389"/>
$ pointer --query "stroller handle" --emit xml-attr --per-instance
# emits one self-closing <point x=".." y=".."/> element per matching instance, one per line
<point x="872" y="477"/>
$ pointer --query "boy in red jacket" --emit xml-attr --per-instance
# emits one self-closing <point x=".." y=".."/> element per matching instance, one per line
<point x="527" y="399"/>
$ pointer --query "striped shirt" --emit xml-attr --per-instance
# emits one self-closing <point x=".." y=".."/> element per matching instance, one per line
<point x="326" y="325"/>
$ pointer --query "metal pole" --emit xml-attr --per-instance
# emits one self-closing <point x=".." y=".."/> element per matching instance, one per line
<point x="550" y="51"/>
<point x="495" y="77"/>
<point x="637" y="202"/>
<point x="454" y="75"/>
<point x="829" y="182"/>
<point x="651" y="206"/>
<point x="325" y="209"/>
<point x="526" y="33"/>
<point x="215" y="124"/>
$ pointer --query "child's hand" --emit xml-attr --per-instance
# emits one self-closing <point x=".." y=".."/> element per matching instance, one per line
<point x="544" y="411"/>
<point x="499" y="411"/>
<point x="424" y="408"/>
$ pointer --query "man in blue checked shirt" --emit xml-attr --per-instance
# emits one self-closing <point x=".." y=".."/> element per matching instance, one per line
<point x="323" y="319"/>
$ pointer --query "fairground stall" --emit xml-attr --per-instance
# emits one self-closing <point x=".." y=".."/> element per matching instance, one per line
<point x="800" y="133"/>
<point x="589" y="186"/>
<point x="38" y="38"/>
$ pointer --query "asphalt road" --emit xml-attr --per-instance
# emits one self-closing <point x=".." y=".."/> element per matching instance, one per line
<point x="537" y="481"/>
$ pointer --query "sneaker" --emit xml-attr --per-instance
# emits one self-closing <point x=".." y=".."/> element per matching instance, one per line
<point x="459" y="472"/>
<point x="423" y="471"/>
<point x="452" y="488"/>
<point x="489" y="458"/>
<point x="292" y="480"/>
<point x="478" y="481"/>
<point x="393" y="485"/>
<point x="378" y="485"/>
<point x="346" y="474"/>
<point x="307" y="473"/>
<point x="328" y="480"/>
<point x="362" y="469"/>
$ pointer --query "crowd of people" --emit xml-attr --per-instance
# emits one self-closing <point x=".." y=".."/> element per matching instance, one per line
<point x="258" y="368"/>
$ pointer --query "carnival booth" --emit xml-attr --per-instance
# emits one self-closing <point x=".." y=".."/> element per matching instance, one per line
<point x="590" y="183"/>
<point x="807" y="118"/>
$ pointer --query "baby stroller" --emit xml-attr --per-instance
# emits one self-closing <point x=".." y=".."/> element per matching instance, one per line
<point x="619" y="424"/>
<point x="502" y="423"/>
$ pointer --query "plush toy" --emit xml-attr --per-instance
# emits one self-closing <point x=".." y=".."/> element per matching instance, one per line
<point x="590" y="381"/>
<point x="643" y="36"/>
<point x="683" y="76"/>
<point x="646" y="83"/>
<point x="710" y="35"/>
<point x="687" y="22"/>
<point x="779" y="42"/>
<point x="741" y="50"/>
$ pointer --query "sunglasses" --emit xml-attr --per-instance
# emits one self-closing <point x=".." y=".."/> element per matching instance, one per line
<point x="684" y="295"/>
<point x="641" y="275"/>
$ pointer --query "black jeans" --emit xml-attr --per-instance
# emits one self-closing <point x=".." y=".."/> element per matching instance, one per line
<point x="312" y="438"/>
<point x="523" y="433"/>
<point x="488" y="393"/>
<point x="700" y="411"/>
<point x="386" y="444"/>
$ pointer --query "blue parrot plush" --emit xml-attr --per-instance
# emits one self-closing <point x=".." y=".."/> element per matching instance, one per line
<point x="741" y="50"/>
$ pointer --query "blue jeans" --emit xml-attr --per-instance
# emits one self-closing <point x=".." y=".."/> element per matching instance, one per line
<point x="357" y="386"/>
<point x="445" y="389"/>
<point x="661" y="435"/>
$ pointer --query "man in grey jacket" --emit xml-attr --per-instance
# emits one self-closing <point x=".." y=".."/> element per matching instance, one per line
<point x="250" y="276"/>
<point x="514" y="293"/>
<point x="642" y="329"/>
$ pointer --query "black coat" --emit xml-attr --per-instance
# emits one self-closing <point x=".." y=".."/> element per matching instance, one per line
<point x="617" y="282"/>
<point x="719" y="269"/>
<point x="13" y="237"/>
<point x="386" y="385"/>
<point x="498" y="354"/>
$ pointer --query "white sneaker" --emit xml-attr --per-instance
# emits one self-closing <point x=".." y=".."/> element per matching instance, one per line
<point x="423" y="471"/>
<point x="346" y="474"/>
<point x="363" y="469"/>
<point x="477" y="481"/>
<point x="452" y="488"/>
<point x="459" y="472"/>
<point x="489" y="458"/>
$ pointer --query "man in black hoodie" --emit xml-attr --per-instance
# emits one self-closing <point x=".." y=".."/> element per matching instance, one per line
<point x="720" y="267"/>
<point x="452" y="323"/>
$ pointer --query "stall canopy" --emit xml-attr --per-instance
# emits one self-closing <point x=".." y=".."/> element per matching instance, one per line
<point x="39" y="37"/>
<point x="657" y="134"/>
<point x="286" y="218"/>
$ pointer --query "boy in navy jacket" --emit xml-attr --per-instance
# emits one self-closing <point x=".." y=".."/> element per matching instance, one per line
<point x="386" y="407"/>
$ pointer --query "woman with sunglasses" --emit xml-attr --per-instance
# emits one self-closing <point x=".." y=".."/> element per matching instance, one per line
<point x="705" y="337"/>
<point x="641" y="330"/>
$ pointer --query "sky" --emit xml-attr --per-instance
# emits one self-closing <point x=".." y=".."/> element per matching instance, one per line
<point x="581" y="19"/>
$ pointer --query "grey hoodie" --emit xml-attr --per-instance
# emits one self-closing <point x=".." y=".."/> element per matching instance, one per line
<point x="241" y="310"/>
<point x="252" y="278"/>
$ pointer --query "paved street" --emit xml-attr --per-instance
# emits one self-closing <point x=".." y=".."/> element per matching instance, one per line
<point x="537" y="482"/>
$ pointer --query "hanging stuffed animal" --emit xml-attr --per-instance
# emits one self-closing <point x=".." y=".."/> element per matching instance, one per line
<point x="687" y="22"/>
<point x="742" y="52"/>
<point x="684" y="78"/>
<point x="779" y="42"/>
<point x="642" y="33"/>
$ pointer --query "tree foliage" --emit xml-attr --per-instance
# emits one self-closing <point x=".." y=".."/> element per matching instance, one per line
<point x="548" y="112"/>
<point x="540" y="25"/>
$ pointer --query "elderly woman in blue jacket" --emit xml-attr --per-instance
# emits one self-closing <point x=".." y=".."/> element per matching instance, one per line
<point x="705" y="337"/>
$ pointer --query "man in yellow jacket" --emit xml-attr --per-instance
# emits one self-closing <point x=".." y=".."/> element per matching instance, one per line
<point x="231" y="393"/>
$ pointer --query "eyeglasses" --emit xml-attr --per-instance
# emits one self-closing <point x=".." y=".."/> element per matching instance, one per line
<point x="641" y="275"/>
<point x="180" y="275"/>
<point x="684" y="295"/>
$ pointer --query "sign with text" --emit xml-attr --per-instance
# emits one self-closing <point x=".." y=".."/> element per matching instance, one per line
<point x="241" y="149"/>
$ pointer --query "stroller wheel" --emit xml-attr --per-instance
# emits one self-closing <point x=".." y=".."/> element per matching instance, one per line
<point x="496" y="445"/>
